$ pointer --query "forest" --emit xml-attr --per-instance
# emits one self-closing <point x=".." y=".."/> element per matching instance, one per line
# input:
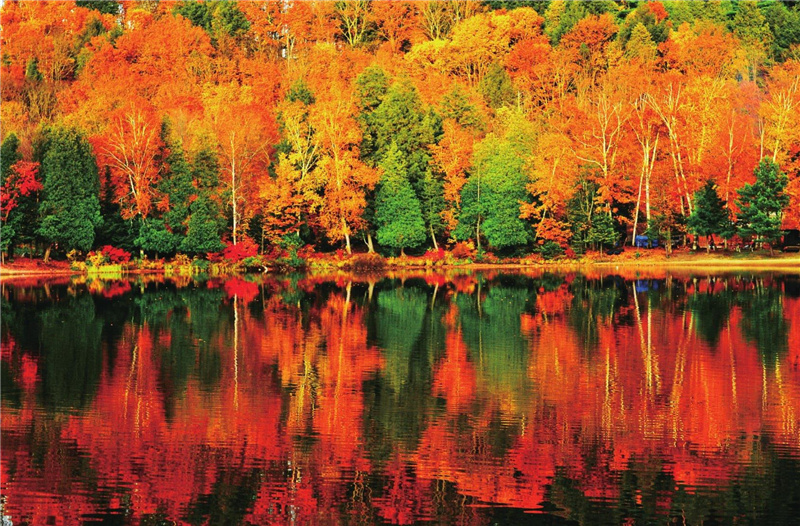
<point x="549" y="127"/>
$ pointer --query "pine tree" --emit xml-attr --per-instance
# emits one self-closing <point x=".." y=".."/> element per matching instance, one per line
<point x="602" y="230"/>
<point x="761" y="204"/>
<point x="397" y="209"/>
<point x="709" y="216"/>
<point x="70" y="205"/>
<point x="496" y="87"/>
<point x="202" y="235"/>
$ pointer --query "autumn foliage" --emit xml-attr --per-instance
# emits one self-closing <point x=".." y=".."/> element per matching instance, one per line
<point x="284" y="114"/>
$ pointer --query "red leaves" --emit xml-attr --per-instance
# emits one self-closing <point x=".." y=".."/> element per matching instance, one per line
<point x="244" y="249"/>
<point x="22" y="182"/>
<point x="237" y="287"/>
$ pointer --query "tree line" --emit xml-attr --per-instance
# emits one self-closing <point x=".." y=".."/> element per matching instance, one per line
<point x="183" y="127"/>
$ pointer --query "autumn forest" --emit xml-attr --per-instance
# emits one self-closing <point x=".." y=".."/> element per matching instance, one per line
<point x="553" y="127"/>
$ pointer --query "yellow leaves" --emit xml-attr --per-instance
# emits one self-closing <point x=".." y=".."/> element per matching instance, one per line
<point x="429" y="55"/>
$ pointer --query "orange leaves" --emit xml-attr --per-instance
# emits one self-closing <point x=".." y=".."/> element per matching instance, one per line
<point x="453" y="156"/>
<point x="702" y="49"/>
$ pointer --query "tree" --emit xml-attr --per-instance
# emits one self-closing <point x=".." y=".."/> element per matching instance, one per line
<point x="203" y="228"/>
<point x="397" y="209"/>
<point x="131" y="148"/>
<point x="70" y="206"/>
<point x="601" y="231"/>
<point x="491" y="197"/>
<point x="18" y="202"/>
<point x="242" y="131"/>
<point x="710" y="216"/>
<point x="761" y="204"/>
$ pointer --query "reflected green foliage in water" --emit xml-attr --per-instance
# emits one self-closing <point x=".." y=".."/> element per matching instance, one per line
<point x="70" y="344"/>
<point x="594" y="302"/>
<point x="402" y="391"/>
<point x="763" y="322"/>
<point x="491" y="329"/>
<point x="711" y="313"/>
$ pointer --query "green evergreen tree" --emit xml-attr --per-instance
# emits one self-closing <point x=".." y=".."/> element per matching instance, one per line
<point x="784" y="24"/>
<point x="496" y="87"/>
<point x="202" y="235"/>
<point x="640" y="44"/>
<point x="371" y="87"/>
<point x="761" y="204"/>
<point x="10" y="229"/>
<point x="561" y="16"/>
<point x="709" y="216"/>
<point x="115" y="230"/>
<point x="109" y="7"/>
<point x="177" y="187"/>
<point x="601" y="232"/>
<point x="457" y="106"/>
<point x="205" y="218"/>
<point x="401" y="119"/>
<point x="659" y="31"/>
<point x="70" y="206"/>
<point x="154" y="236"/>
<point x="9" y="154"/>
<point x="397" y="209"/>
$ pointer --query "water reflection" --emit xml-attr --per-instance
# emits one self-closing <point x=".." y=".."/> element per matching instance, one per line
<point x="466" y="399"/>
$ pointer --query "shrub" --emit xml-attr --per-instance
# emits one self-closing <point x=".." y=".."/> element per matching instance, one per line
<point x="435" y="255"/>
<point x="116" y="255"/>
<point x="243" y="249"/>
<point x="550" y="250"/>
<point x="463" y="250"/>
<point x="367" y="262"/>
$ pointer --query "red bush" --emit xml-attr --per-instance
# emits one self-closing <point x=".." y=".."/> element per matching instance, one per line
<point x="115" y="255"/>
<point x="435" y="255"/>
<point x="243" y="249"/>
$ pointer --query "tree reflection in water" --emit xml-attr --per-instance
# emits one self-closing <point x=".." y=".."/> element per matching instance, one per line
<point x="463" y="398"/>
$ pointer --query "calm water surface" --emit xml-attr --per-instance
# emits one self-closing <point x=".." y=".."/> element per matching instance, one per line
<point x="461" y="399"/>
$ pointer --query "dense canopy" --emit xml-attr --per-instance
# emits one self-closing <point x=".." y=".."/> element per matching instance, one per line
<point x="520" y="125"/>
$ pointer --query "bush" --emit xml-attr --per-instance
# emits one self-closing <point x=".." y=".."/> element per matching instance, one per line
<point x="367" y="262"/>
<point x="549" y="250"/>
<point x="435" y="255"/>
<point x="463" y="250"/>
<point x="105" y="255"/>
<point x="243" y="249"/>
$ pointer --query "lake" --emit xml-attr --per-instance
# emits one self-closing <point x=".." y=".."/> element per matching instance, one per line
<point x="464" y="398"/>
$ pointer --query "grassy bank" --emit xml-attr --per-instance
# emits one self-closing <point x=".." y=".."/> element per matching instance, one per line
<point x="364" y="262"/>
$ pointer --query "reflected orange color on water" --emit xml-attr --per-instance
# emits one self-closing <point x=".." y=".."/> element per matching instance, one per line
<point x="295" y="395"/>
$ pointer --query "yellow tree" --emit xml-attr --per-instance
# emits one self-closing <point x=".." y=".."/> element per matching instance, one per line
<point x="779" y="111"/>
<point x="340" y="177"/>
<point x="599" y="132"/>
<point x="242" y="131"/>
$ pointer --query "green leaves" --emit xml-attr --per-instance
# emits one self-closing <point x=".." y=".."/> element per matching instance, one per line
<point x="397" y="209"/>
<point x="70" y="206"/>
<point x="710" y="215"/>
<point x="490" y="200"/>
<point x="761" y="204"/>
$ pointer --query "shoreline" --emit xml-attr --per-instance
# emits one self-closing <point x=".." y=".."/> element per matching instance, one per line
<point x="702" y="263"/>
